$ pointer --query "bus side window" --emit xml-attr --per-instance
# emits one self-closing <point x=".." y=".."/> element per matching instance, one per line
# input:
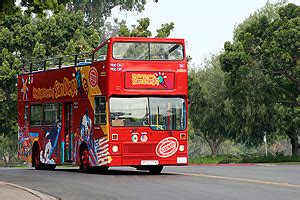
<point x="101" y="54"/>
<point x="36" y="115"/>
<point x="51" y="114"/>
<point x="59" y="114"/>
<point x="100" y="110"/>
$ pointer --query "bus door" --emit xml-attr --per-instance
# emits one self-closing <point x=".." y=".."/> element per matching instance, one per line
<point x="67" y="132"/>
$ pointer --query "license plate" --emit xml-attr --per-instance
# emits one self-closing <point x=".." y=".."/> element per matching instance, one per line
<point x="181" y="160"/>
<point x="149" y="162"/>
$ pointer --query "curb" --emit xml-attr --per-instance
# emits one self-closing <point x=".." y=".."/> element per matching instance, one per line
<point x="34" y="192"/>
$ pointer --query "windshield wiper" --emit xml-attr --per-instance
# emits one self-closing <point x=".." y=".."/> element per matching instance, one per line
<point x="134" y="129"/>
<point x="170" y="132"/>
<point x="173" y="48"/>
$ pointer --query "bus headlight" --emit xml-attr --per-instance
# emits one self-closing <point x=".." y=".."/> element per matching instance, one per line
<point x="181" y="148"/>
<point x="115" y="149"/>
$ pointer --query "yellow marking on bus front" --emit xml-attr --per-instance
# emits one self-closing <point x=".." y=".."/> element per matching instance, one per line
<point x="105" y="128"/>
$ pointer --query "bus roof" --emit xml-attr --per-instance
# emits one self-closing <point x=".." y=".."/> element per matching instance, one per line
<point x="144" y="39"/>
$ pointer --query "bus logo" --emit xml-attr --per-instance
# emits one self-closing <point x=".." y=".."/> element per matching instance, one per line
<point x="167" y="147"/>
<point x="93" y="77"/>
<point x="149" y="80"/>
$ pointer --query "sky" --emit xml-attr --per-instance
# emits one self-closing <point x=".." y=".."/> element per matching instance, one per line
<point x="204" y="24"/>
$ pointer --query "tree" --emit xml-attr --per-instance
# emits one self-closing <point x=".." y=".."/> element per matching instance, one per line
<point x="210" y="109"/>
<point x="262" y="65"/>
<point x="8" y="148"/>
<point x="25" y="38"/>
<point x="95" y="12"/>
<point x="7" y="7"/>
<point x="98" y="10"/>
<point x="28" y="38"/>
<point x="141" y="30"/>
<point x="8" y="110"/>
<point x="165" y="30"/>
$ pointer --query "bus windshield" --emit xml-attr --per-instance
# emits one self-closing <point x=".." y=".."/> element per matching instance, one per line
<point x="157" y="112"/>
<point x="147" y="51"/>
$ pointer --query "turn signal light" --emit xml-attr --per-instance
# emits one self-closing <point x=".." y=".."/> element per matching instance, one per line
<point x="115" y="136"/>
<point x="182" y="136"/>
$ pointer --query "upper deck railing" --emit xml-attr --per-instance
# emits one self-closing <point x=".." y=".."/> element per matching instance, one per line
<point x="74" y="60"/>
<point x="130" y="49"/>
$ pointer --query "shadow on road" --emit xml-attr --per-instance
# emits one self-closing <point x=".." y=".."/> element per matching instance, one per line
<point x="111" y="171"/>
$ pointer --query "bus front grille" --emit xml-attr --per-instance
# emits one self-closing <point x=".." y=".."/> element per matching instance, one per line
<point x="142" y="148"/>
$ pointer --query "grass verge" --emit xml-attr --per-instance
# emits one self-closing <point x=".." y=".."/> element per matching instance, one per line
<point x="225" y="159"/>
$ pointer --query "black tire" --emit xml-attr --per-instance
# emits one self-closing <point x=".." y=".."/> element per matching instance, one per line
<point x="102" y="169"/>
<point x="50" y="166"/>
<point x="155" y="169"/>
<point x="36" y="162"/>
<point x="84" y="156"/>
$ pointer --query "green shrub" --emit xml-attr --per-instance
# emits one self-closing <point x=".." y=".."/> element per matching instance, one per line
<point x="230" y="159"/>
<point x="205" y="160"/>
<point x="250" y="158"/>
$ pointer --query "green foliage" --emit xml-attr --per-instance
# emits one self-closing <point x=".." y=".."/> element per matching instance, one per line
<point x="95" y="12"/>
<point x="206" y="160"/>
<point x="165" y="30"/>
<point x="124" y="30"/>
<point x="38" y="7"/>
<point x="8" y="100"/>
<point x="210" y="109"/>
<point x="196" y="145"/>
<point x="7" y="7"/>
<point x="8" y="149"/>
<point x="25" y="38"/>
<point x="31" y="38"/>
<point x="277" y="158"/>
<point x="8" y="110"/>
<point x="226" y="159"/>
<point x="141" y="30"/>
<point x="262" y="67"/>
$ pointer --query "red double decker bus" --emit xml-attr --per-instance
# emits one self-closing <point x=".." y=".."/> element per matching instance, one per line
<point x="124" y="106"/>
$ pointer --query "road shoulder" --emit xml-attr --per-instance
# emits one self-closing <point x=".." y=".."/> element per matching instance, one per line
<point x="12" y="191"/>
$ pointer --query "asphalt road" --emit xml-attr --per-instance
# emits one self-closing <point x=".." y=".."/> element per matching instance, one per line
<point x="257" y="182"/>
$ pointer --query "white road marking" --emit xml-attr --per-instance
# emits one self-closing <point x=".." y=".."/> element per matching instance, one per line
<point x="265" y="182"/>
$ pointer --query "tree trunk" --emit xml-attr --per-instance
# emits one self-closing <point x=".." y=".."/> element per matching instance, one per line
<point x="213" y="142"/>
<point x="10" y="158"/>
<point x="5" y="161"/>
<point x="214" y="145"/>
<point x="214" y="150"/>
<point x="294" y="142"/>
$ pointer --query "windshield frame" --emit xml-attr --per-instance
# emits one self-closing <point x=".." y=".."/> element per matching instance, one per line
<point x="149" y="51"/>
<point x="148" y="114"/>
